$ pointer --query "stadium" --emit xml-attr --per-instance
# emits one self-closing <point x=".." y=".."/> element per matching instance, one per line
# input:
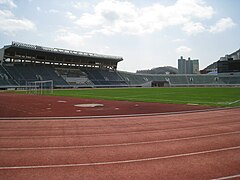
<point x="67" y="114"/>
<point x="22" y="64"/>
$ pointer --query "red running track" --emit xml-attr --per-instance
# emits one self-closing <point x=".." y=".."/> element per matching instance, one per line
<point x="200" y="145"/>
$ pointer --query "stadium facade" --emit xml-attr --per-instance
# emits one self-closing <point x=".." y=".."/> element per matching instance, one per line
<point x="23" y="64"/>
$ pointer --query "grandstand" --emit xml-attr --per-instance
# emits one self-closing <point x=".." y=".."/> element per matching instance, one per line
<point x="180" y="80"/>
<point x="21" y="64"/>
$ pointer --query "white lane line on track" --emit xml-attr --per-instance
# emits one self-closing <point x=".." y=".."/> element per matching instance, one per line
<point x="137" y="124"/>
<point x="123" y="161"/>
<point x="94" y="127"/>
<point x="119" y="133"/>
<point x="227" y="177"/>
<point x="120" y="144"/>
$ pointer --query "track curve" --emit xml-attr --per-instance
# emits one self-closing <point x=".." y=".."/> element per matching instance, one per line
<point x="143" y="147"/>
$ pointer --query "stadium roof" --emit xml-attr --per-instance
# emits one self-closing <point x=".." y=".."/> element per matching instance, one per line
<point x="235" y="53"/>
<point x="37" y="53"/>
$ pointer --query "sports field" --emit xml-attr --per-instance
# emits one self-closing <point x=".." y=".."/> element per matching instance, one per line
<point x="222" y="97"/>
<point x="48" y="137"/>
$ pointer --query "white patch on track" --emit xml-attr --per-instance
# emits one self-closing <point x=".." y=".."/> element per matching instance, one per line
<point x="60" y="101"/>
<point x="89" y="105"/>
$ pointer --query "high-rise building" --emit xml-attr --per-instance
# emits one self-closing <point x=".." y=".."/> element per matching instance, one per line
<point x="195" y="66"/>
<point x="188" y="66"/>
<point x="181" y="66"/>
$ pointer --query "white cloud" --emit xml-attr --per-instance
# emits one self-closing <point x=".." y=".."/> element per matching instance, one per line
<point x="183" y="49"/>
<point x="9" y="3"/>
<point x="81" y="5"/>
<point x="53" y="11"/>
<point x="178" y="40"/>
<point x="109" y="16"/>
<point x="194" y="8"/>
<point x="10" y="24"/>
<point x="114" y="16"/>
<point x="193" y="28"/>
<point x="72" y="39"/>
<point x="222" y="25"/>
<point x="38" y="9"/>
<point x="5" y="14"/>
<point x="70" y="16"/>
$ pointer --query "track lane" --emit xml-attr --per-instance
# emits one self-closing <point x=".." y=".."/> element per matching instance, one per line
<point x="118" y="121"/>
<point x="116" y="144"/>
<point x="115" y="138"/>
<point x="122" y="129"/>
<point x="116" y="153"/>
<point x="154" y="160"/>
<point x="204" y="166"/>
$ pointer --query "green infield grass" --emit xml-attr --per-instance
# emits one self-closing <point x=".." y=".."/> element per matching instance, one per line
<point x="222" y="97"/>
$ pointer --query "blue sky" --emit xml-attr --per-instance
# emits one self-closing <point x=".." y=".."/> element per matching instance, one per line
<point x="146" y="33"/>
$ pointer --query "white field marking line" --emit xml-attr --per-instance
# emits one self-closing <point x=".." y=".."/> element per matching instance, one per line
<point x="123" y="133"/>
<point x="121" y="144"/>
<point x="227" y="177"/>
<point x="192" y="104"/>
<point x="169" y="100"/>
<point x="134" y="98"/>
<point x="234" y="102"/>
<point x="123" y="161"/>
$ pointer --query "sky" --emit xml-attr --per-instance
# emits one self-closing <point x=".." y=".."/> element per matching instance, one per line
<point x="146" y="33"/>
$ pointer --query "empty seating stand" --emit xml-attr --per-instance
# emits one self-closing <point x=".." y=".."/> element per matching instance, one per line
<point x="5" y="78"/>
<point x="20" y="74"/>
<point x="101" y="77"/>
<point x="23" y="74"/>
